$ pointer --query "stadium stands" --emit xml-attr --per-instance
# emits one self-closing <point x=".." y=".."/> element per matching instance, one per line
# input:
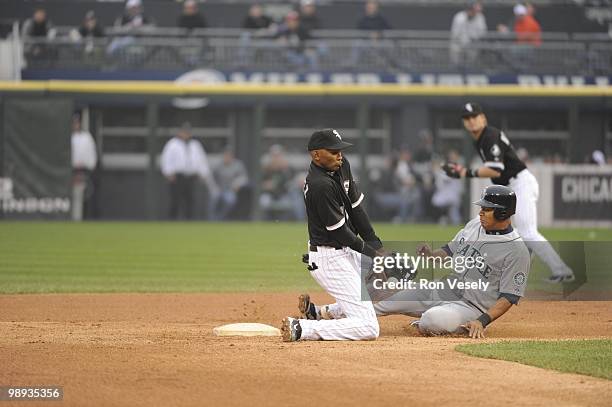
<point x="401" y="50"/>
<point x="576" y="49"/>
<point x="575" y="39"/>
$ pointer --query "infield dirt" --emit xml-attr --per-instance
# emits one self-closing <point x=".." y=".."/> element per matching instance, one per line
<point x="159" y="350"/>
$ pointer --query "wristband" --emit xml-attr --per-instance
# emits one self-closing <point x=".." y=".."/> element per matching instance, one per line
<point x="374" y="242"/>
<point x="368" y="250"/>
<point x="484" y="319"/>
<point x="469" y="173"/>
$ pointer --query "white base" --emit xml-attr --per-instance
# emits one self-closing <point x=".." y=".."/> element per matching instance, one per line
<point x="246" y="329"/>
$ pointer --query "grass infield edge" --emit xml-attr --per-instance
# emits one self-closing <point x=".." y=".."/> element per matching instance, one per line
<point x="584" y="356"/>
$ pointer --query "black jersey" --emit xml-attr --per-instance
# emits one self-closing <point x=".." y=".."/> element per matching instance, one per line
<point x="330" y="198"/>
<point x="497" y="153"/>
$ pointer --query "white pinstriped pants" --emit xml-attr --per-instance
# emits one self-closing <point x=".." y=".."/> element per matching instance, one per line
<point x="339" y="273"/>
<point x="527" y="191"/>
<point x="437" y="316"/>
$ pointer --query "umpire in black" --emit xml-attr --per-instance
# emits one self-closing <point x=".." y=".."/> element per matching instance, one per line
<point x="336" y="218"/>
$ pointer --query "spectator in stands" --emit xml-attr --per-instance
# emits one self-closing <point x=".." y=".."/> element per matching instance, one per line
<point x="84" y="160"/>
<point x="388" y="192"/>
<point x="133" y="16"/>
<point x="132" y="20"/>
<point x="191" y="17"/>
<point x="409" y="188"/>
<point x="373" y="52"/>
<point x="308" y="15"/>
<point x="468" y="26"/>
<point x="37" y="27"/>
<point x="526" y="28"/>
<point x="423" y="172"/>
<point x="256" y="19"/>
<point x="425" y="150"/>
<point x="598" y="158"/>
<point x="183" y="160"/>
<point x="296" y="194"/>
<point x="448" y="192"/>
<point x="89" y="27"/>
<point x="256" y="24"/>
<point x="294" y="37"/>
<point x="275" y="200"/>
<point x="373" y="21"/>
<point x="232" y="179"/>
<point x="523" y="155"/>
<point x="88" y="32"/>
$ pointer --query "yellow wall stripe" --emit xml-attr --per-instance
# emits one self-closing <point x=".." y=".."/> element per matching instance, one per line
<point x="175" y="89"/>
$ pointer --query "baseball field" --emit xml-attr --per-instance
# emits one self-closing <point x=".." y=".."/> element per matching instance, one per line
<point x="122" y="314"/>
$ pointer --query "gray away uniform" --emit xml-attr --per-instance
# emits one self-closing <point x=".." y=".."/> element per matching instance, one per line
<point x="506" y="268"/>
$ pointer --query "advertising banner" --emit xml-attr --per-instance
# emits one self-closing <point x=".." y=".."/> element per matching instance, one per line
<point x="36" y="173"/>
<point x="585" y="196"/>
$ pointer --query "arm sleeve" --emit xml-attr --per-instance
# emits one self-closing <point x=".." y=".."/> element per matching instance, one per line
<point x="512" y="299"/>
<point x="515" y="271"/>
<point x="360" y="218"/>
<point x="493" y="150"/>
<point x="362" y="222"/>
<point x="451" y="246"/>
<point x="167" y="160"/>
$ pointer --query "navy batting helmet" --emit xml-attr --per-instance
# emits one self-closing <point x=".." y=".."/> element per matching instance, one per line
<point x="502" y="199"/>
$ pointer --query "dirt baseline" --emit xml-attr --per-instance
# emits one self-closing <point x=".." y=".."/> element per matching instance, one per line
<point x="159" y="350"/>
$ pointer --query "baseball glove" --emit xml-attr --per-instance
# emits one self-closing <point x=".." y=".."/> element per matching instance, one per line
<point x="453" y="170"/>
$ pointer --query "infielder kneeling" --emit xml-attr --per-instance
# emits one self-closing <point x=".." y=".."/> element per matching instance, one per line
<point x="336" y="219"/>
<point x="471" y="297"/>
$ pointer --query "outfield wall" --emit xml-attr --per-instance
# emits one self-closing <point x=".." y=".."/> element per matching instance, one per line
<point x="131" y="121"/>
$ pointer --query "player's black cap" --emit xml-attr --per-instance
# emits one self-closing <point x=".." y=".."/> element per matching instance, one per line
<point x="328" y="139"/>
<point x="471" y="109"/>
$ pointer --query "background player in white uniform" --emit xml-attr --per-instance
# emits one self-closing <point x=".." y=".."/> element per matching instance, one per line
<point x="502" y="165"/>
<point x="505" y="267"/>
<point x="335" y="218"/>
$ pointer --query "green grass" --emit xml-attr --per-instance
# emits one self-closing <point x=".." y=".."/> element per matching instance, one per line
<point x="588" y="357"/>
<point x="177" y="257"/>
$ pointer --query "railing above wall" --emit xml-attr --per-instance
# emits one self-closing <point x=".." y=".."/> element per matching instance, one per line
<point x="153" y="31"/>
<point x="403" y="52"/>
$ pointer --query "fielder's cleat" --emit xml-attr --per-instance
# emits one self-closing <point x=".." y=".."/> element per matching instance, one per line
<point x="307" y="308"/>
<point x="561" y="279"/>
<point x="324" y="313"/>
<point x="291" y="330"/>
<point x="416" y="323"/>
